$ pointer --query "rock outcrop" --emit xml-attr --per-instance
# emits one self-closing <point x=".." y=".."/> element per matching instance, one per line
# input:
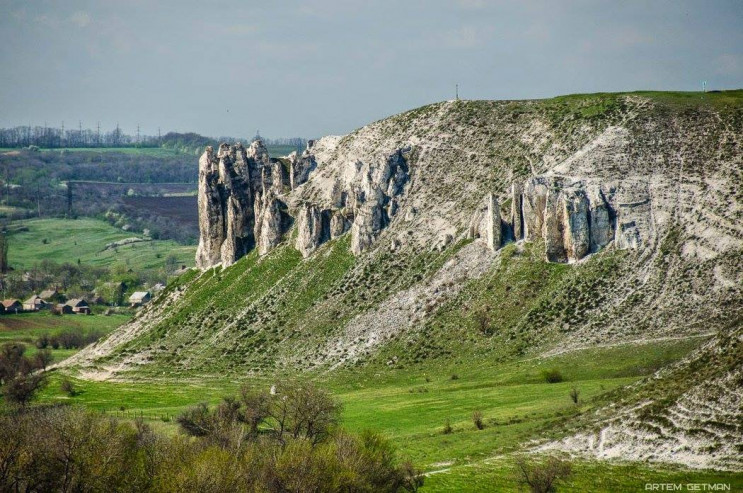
<point x="211" y="212"/>
<point x="245" y="202"/>
<point x="312" y="229"/>
<point x="376" y="199"/>
<point x="300" y="166"/>
<point x="238" y="204"/>
<point x="494" y="236"/>
<point x="572" y="217"/>
<point x="272" y="222"/>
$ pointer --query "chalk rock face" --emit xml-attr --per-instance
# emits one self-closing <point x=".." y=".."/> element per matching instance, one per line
<point x="237" y="205"/>
<point x="271" y="222"/>
<point x="211" y="212"/>
<point x="240" y="203"/>
<point x="339" y="224"/>
<point x="574" y="217"/>
<point x="368" y="221"/>
<point x="312" y="229"/>
<point x="375" y="201"/>
<point x="600" y="219"/>
<point x="534" y="201"/>
<point x="258" y="160"/>
<point x="225" y="207"/>
<point x="493" y="223"/>
<point x="553" y="224"/>
<point x="576" y="229"/>
<point x="517" y="218"/>
<point x="301" y="166"/>
<point x="634" y="216"/>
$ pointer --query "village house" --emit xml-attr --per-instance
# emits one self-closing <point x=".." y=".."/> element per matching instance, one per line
<point x="140" y="298"/>
<point x="64" y="308"/>
<point x="51" y="296"/>
<point x="78" y="305"/>
<point x="12" y="306"/>
<point x="35" y="303"/>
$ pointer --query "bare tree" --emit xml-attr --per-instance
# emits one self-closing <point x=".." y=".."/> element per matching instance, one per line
<point x="3" y="253"/>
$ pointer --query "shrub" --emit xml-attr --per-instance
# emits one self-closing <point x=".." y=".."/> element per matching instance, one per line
<point x="42" y="358"/>
<point x="455" y="376"/>
<point x="42" y="342"/>
<point x="68" y="387"/>
<point x="552" y="376"/>
<point x="542" y="477"/>
<point x="574" y="394"/>
<point x="19" y="379"/>
<point x="477" y="420"/>
<point x="482" y="319"/>
<point x="447" y="428"/>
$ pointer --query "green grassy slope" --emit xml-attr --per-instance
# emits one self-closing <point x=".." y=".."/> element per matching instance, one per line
<point x="26" y="328"/>
<point x="86" y="239"/>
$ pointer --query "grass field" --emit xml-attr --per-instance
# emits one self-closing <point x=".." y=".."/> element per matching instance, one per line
<point x="68" y="240"/>
<point x="26" y="328"/>
<point x="412" y="406"/>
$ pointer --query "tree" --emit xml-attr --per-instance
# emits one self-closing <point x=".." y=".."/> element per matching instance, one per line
<point x="19" y="380"/>
<point x="42" y="358"/>
<point x="3" y="253"/>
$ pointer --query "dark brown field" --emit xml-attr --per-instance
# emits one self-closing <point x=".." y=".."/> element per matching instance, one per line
<point x="181" y="209"/>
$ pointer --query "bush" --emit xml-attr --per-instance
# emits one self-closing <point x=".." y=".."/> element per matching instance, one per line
<point x="42" y="358"/>
<point x="477" y="420"/>
<point x="552" y="376"/>
<point x="447" y="428"/>
<point x="455" y="376"/>
<point x="574" y="394"/>
<point x="542" y="477"/>
<point x="70" y="449"/>
<point x="19" y="379"/>
<point x="68" y="387"/>
<point x="71" y="339"/>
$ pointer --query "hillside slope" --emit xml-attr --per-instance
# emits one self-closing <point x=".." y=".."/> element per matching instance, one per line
<point x="463" y="228"/>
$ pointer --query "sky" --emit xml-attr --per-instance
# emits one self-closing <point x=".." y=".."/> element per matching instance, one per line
<point x="310" y="68"/>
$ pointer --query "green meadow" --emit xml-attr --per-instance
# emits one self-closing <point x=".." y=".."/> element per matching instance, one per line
<point x="411" y="407"/>
<point x="88" y="240"/>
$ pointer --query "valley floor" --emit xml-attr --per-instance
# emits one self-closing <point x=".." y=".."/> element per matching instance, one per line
<point x="412" y="406"/>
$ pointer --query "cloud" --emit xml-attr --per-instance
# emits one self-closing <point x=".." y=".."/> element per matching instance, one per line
<point x="81" y="19"/>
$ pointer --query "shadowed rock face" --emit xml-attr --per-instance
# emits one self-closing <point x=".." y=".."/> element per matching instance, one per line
<point x="300" y="167"/>
<point x="573" y="218"/>
<point x="376" y="200"/>
<point x="227" y="182"/>
<point x="243" y="203"/>
<point x="494" y="236"/>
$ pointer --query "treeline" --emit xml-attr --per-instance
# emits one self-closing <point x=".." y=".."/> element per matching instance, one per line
<point x="284" y="441"/>
<point x="27" y="168"/>
<point x="51" y="137"/>
<point x="55" y="138"/>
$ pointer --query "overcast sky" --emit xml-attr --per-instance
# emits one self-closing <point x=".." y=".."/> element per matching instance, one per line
<point x="310" y="68"/>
